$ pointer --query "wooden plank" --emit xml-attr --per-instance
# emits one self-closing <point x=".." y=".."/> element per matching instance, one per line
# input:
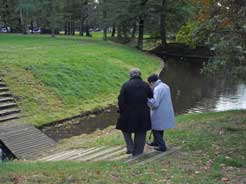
<point x="3" y="84"/>
<point x="9" y="111"/>
<point x="7" y="105"/>
<point x="10" y="117"/>
<point x="100" y="153"/>
<point x="25" y="141"/>
<point x="160" y="155"/>
<point x="4" y="94"/>
<point x="4" y="88"/>
<point x="7" y="99"/>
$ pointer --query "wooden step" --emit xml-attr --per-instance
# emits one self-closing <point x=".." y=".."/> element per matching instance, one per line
<point x="7" y="105"/>
<point x="6" y="99"/>
<point x="2" y="84"/>
<point x="5" y="94"/>
<point x="111" y="155"/>
<point x="4" y="89"/>
<point x="10" y="117"/>
<point x="29" y="144"/>
<point x="99" y="154"/>
<point x="6" y="112"/>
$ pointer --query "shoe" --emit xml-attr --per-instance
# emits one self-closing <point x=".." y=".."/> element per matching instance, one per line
<point x="128" y="152"/>
<point x="161" y="149"/>
<point x="152" y="144"/>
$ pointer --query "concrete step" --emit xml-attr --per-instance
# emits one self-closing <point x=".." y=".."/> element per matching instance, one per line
<point x="5" y="94"/>
<point x="6" y="112"/>
<point x="7" y="105"/>
<point x="10" y="117"/>
<point x="3" y="89"/>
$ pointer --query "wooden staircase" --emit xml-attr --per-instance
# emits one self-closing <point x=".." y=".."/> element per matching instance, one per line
<point x="8" y="108"/>
<point x="116" y="153"/>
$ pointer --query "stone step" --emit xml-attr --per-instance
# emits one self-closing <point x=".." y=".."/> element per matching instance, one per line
<point x="4" y="89"/>
<point x="6" y="99"/>
<point x="10" y="117"/>
<point x="7" y="105"/>
<point x="5" y="94"/>
<point x="6" y="112"/>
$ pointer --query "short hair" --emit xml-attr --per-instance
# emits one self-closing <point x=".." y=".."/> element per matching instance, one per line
<point x="135" y="72"/>
<point x="153" y="78"/>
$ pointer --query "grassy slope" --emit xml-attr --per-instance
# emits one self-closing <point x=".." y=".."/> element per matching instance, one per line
<point x="214" y="152"/>
<point x="57" y="78"/>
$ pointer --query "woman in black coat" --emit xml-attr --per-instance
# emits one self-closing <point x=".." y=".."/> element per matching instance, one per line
<point x="134" y="112"/>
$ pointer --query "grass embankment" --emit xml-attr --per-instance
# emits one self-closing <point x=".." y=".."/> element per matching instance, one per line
<point x="214" y="152"/>
<point x="57" y="78"/>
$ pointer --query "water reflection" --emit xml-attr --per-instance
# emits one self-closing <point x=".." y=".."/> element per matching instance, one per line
<point x="192" y="92"/>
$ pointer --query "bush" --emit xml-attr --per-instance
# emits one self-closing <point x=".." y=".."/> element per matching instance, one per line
<point x="185" y="34"/>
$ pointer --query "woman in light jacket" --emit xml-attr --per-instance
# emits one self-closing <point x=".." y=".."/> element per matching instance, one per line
<point x="162" y="113"/>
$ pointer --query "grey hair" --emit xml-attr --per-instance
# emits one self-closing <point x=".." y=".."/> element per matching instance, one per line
<point x="135" y="72"/>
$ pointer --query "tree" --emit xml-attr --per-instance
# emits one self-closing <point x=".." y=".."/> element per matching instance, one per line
<point x="223" y="29"/>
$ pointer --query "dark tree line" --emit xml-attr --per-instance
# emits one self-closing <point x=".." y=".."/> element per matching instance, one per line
<point x="124" y="19"/>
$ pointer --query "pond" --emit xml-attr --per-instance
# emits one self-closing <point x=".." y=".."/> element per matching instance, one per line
<point x="191" y="92"/>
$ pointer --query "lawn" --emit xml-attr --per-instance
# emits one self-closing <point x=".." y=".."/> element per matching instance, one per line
<point x="57" y="78"/>
<point x="213" y="152"/>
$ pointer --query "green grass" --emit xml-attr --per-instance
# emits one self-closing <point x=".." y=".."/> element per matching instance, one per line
<point x="214" y="150"/>
<point x="61" y="77"/>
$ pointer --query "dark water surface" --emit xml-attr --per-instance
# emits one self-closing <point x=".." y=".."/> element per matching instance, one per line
<point x="191" y="92"/>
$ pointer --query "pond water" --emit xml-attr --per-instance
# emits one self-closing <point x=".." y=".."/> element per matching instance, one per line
<point x="191" y="92"/>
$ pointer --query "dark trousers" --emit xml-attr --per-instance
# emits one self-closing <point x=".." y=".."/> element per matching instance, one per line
<point x="158" y="138"/>
<point x="136" y="145"/>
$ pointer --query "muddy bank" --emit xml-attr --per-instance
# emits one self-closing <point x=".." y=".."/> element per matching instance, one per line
<point x="183" y="52"/>
<point x="84" y="123"/>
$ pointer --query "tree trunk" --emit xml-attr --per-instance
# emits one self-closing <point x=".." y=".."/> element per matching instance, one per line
<point x="53" y="31"/>
<point x="163" y="25"/>
<point x="105" y="34"/>
<point x="134" y="30"/>
<point x="68" y="28"/>
<point x="81" y="28"/>
<point x="113" y="31"/>
<point x="87" y="31"/>
<point x="32" y="27"/>
<point x="119" y="32"/>
<point x="23" y="26"/>
<point x="73" y="28"/>
<point x="140" y="34"/>
<point x="65" y="28"/>
<point x="105" y="21"/>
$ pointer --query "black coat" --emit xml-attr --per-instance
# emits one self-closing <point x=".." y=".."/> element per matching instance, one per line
<point x="133" y="108"/>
